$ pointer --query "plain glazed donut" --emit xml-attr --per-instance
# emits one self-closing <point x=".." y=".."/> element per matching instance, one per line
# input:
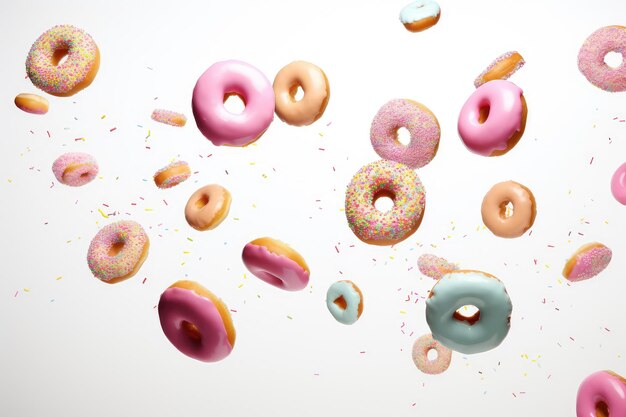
<point x="276" y="263"/>
<point x="486" y="329"/>
<point x="117" y="251"/>
<point x="494" y="209"/>
<point x="171" y="175"/>
<point x="493" y="118"/>
<point x="425" y="344"/>
<point x="196" y="322"/>
<point x="591" y="58"/>
<point x="422" y="125"/>
<point x="420" y="15"/>
<point x="618" y="184"/>
<point x="602" y="394"/>
<point x="75" y="169"/>
<point x="587" y="262"/>
<point x="501" y="68"/>
<point x="316" y="90"/>
<point x="207" y="207"/>
<point x="222" y="80"/>
<point x="76" y="73"/>
<point x="31" y="103"/>
<point x="385" y="179"/>
<point x="345" y="301"/>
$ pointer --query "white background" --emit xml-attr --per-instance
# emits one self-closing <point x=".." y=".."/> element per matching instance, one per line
<point x="74" y="346"/>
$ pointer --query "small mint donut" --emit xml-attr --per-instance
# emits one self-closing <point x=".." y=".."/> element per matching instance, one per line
<point x="484" y="330"/>
<point x="345" y="302"/>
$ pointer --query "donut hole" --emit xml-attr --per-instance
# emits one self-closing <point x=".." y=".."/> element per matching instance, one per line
<point x="202" y="201"/>
<point x="483" y="113"/>
<point x="432" y="354"/>
<point x="116" y="247"/>
<point x="384" y="200"/>
<point x="341" y="302"/>
<point x="602" y="409"/>
<point x="469" y="313"/>
<point x="614" y="59"/>
<point x="506" y="209"/>
<point x="296" y="92"/>
<point x="192" y="332"/>
<point x="234" y="103"/>
<point x="403" y="136"/>
<point x="59" y="56"/>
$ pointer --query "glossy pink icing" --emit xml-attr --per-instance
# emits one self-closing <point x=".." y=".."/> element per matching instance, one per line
<point x="590" y="263"/>
<point x="505" y="117"/>
<point x="75" y="169"/>
<point x="591" y="58"/>
<point x="274" y="269"/>
<point x="218" y="124"/>
<point x="601" y="386"/>
<point x="421" y="124"/>
<point x="618" y="184"/>
<point x="178" y="305"/>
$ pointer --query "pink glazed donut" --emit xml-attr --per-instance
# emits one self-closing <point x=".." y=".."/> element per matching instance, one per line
<point x="493" y="119"/>
<point x="421" y="124"/>
<point x="75" y="169"/>
<point x="222" y="80"/>
<point x="602" y="394"/>
<point x="591" y="58"/>
<point x="196" y="322"/>
<point x="618" y="184"/>
<point x="276" y="263"/>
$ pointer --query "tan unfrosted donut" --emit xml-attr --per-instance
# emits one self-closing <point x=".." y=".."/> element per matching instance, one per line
<point x="494" y="209"/>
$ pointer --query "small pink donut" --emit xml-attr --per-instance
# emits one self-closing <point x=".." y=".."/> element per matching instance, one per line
<point x="117" y="251"/>
<point x="422" y="346"/>
<point x="219" y="125"/>
<point x="434" y="267"/>
<point x="75" y="169"/>
<point x="418" y="120"/>
<point x="602" y="394"/>
<point x="618" y="184"/>
<point x="587" y="262"/>
<point x="591" y="58"/>
<point x="493" y="118"/>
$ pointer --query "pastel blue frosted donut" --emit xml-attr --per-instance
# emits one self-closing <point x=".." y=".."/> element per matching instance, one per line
<point x="344" y="301"/>
<point x="479" y="333"/>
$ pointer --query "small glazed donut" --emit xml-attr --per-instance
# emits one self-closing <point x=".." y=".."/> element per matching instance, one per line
<point x="71" y="76"/>
<point x="276" y="263"/>
<point x="591" y="58"/>
<point x="495" y="214"/>
<point x="493" y="118"/>
<point x="31" y="103"/>
<point x="418" y="120"/>
<point x="222" y="80"/>
<point x="207" y="207"/>
<point x="196" y="322"/>
<point x="425" y="344"/>
<point x="618" y="184"/>
<point x="434" y="267"/>
<point x="385" y="179"/>
<point x="345" y="301"/>
<point x="486" y="329"/>
<point x="587" y="262"/>
<point x="420" y="15"/>
<point x="316" y="90"/>
<point x="117" y="251"/>
<point x="169" y="117"/>
<point x="602" y="394"/>
<point x="501" y="68"/>
<point x="171" y="175"/>
<point x="75" y="169"/>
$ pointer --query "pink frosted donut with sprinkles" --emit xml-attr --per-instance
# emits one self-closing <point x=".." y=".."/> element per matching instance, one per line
<point x="418" y="120"/>
<point x="425" y="344"/>
<point x="171" y="175"/>
<point x="169" y="117"/>
<point x="591" y="58"/>
<point x="501" y="68"/>
<point x="117" y="251"/>
<point x="48" y="73"/>
<point x="587" y="262"/>
<point x="434" y="267"/>
<point x="385" y="179"/>
<point x="75" y="169"/>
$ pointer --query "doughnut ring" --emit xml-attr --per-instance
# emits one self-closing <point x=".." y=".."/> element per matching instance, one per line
<point x="425" y="344"/>
<point x="602" y="394"/>
<point x="494" y="209"/>
<point x="591" y="58"/>
<point x="345" y="301"/>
